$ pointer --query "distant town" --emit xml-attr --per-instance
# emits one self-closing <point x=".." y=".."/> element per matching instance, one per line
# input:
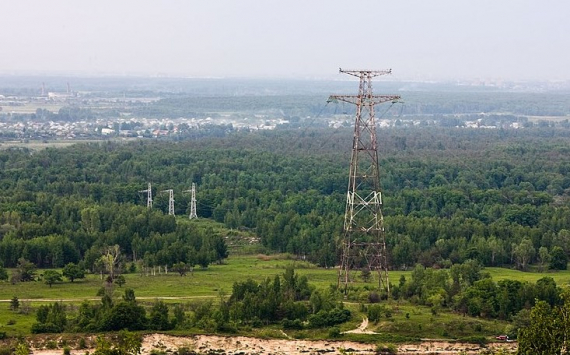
<point x="168" y="109"/>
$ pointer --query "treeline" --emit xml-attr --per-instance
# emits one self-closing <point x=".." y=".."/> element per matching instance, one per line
<point x="287" y="299"/>
<point x="466" y="288"/>
<point x="499" y="197"/>
<point x="73" y="231"/>
<point x="424" y="104"/>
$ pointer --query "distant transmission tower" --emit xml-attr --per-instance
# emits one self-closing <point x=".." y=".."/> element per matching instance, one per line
<point x="363" y="242"/>
<point x="192" y="202"/>
<point x="170" y="201"/>
<point x="148" y="196"/>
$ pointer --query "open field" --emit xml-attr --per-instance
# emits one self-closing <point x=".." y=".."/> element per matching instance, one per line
<point x="209" y="282"/>
<point x="407" y="322"/>
<point x="31" y="107"/>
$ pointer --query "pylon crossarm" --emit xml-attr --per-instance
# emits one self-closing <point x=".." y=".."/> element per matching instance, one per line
<point x="368" y="73"/>
<point x="366" y="100"/>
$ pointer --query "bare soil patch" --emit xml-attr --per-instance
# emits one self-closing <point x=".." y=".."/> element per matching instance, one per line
<point x="205" y="344"/>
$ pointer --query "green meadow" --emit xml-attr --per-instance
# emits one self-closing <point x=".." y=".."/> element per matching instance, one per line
<point x="406" y="322"/>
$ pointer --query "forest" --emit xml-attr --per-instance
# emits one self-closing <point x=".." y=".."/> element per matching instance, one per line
<point x="495" y="196"/>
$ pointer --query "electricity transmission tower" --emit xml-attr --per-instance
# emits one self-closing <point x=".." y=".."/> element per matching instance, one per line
<point x="192" y="202"/>
<point x="148" y="196"/>
<point x="363" y="243"/>
<point x="170" y="201"/>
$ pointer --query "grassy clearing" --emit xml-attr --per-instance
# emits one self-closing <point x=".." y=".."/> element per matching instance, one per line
<point x="209" y="282"/>
<point x="201" y="283"/>
<point x="412" y="321"/>
<point x="31" y="107"/>
<point x="406" y="323"/>
<point x="561" y="277"/>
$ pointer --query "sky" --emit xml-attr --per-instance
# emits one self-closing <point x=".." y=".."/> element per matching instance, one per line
<point x="308" y="39"/>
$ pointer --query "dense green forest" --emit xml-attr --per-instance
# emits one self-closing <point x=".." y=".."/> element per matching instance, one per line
<point x="495" y="196"/>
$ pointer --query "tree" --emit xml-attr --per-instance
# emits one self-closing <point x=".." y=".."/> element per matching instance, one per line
<point x="524" y="252"/>
<point x="544" y="257"/>
<point x="159" y="317"/>
<point x="126" y="315"/>
<point x="111" y="259"/>
<point x="3" y="274"/>
<point x="26" y="271"/>
<point x="496" y="249"/>
<point x="50" y="319"/>
<point x="51" y="277"/>
<point x="73" y="271"/>
<point x="120" y="280"/>
<point x="180" y="268"/>
<point x="543" y="335"/>
<point x="365" y="275"/>
<point x="14" y="304"/>
<point x="558" y="259"/>
<point x="220" y="249"/>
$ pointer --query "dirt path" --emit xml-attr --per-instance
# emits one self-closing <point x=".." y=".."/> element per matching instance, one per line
<point x="361" y="328"/>
<point x="254" y="346"/>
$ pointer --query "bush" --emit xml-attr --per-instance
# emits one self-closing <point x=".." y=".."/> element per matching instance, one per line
<point x="334" y="332"/>
<point x="327" y="319"/>
<point x="373" y="297"/>
<point x="386" y="349"/>
<point x="375" y="312"/>
<point x="295" y="324"/>
<point x="184" y="351"/>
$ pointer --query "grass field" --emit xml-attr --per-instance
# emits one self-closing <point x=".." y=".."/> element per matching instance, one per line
<point x="31" y="107"/>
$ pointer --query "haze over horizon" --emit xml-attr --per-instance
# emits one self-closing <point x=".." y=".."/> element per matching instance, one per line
<point x="435" y="40"/>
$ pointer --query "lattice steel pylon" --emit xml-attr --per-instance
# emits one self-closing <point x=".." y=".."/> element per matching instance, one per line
<point x="363" y="242"/>
<point x="148" y="196"/>
<point x="192" y="214"/>
<point x="170" y="201"/>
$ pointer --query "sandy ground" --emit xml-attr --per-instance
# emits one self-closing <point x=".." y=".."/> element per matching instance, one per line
<point x="253" y="346"/>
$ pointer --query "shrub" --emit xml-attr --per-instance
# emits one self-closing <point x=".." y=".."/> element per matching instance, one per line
<point x="375" y="312"/>
<point x="334" y="332"/>
<point x="184" y="351"/>
<point x="373" y="297"/>
<point x="386" y="349"/>
<point x="327" y="319"/>
<point x="292" y="324"/>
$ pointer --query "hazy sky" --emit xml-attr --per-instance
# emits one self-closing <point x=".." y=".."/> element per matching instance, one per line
<point x="435" y="39"/>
